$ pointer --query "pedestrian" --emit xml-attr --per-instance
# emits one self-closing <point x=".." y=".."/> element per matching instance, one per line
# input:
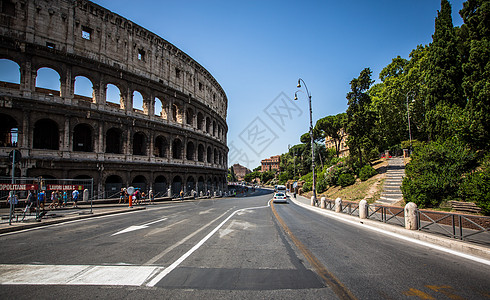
<point x="54" y="197"/>
<point x="41" y="198"/>
<point x="121" y="196"/>
<point x="65" y="198"/>
<point x="181" y="194"/>
<point x="126" y="196"/>
<point x="12" y="199"/>
<point x="74" y="196"/>
<point x="151" y="196"/>
<point x="31" y="198"/>
<point x="143" y="197"/>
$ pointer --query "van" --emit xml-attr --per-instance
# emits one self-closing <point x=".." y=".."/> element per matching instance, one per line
<point x="281" y="188"/>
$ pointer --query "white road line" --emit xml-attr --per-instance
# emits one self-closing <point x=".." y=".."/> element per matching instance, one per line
<point x="148" y="224"/>
<point x="174" y="265"/>
<point x="395" y="235"/>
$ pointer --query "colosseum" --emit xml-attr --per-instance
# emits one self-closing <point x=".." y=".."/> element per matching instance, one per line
<point x="165" y="129"/>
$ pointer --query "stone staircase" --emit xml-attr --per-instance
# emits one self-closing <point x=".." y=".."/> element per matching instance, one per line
<point x="394" y="176"/>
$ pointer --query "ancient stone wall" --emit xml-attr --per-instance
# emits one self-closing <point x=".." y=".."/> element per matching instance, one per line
<point x="65" y="135"/>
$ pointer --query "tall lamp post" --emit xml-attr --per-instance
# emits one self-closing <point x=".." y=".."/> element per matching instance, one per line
<point x="311" y="136"/>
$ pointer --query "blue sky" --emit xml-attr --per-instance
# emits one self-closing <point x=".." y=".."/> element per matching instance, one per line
<point x="257" y="50"/>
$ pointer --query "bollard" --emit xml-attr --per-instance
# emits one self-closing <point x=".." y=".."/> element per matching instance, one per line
<point x="312" y="201"/>
<point x="169" y="193"/>
<point x="411" y="216"/>
<point x="214" y="194"/>
<point x="338" y="205"/>
<point x="85" y="195"/>
<point x="363" y="209"/>
<point x="323" y="202"/>
<point x="200" y="194"/>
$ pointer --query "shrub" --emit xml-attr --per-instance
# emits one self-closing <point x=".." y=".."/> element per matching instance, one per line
<point x="346" y="179"/>
<point x="307" y="186"/>
<point x="476" y="188"/>
<point x="435" y="172"/>
<point x="367" y="172"/>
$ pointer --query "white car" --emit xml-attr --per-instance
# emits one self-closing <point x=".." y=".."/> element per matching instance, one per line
<point x="280" y="197"/>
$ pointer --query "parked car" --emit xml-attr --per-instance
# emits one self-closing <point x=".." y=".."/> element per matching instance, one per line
<point x="280" y="197"/>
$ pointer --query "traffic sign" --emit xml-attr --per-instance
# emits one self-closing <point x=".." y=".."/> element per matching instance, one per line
<point x="130" y="190"/>
<point x="18" y="155"/>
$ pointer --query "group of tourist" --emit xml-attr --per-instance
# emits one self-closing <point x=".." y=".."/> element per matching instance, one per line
<point x="57" y="198"/>
<point x="138" y="196"/>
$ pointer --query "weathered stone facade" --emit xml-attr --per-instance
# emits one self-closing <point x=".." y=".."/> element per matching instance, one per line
<point x="65" y="135"/>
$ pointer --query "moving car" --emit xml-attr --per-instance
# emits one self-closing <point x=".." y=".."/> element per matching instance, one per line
<point x="280" y="197"/>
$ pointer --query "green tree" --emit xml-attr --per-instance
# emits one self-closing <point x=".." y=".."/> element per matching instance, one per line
<point x="231" y="175"/>
<point x="333" y="126"/>
<point x="476" y="69"/>
<point x="444" y="73"/>
<point x="360" y="117"/>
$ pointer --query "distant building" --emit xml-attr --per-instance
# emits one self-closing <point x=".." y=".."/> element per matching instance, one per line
<point x="271" y="163"/>
<point x="240" y="171"/>
<point x="344" y="149"/>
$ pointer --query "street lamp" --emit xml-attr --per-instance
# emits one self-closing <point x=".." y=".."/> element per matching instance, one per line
<point x="311" y="136"/>
<point x="409" y="130"/>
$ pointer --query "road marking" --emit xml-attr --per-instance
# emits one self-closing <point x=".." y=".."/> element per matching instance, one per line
<point x="175" y="264"/>
<point x="395" y="235"/>
<point x="337" y="287"/>
<point x="75" y="274"/>
<point x="138" y="227"/>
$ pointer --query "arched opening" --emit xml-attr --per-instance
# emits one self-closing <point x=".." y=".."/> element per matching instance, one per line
<point x="83" y="89"/>
<point x="214" y="128"/>
<point x="113" y="185"/>
<point x="176" y="113"/>
<point x="8" y="131"/>
<point x="138" y="102"/>
<point x="177" y="149"/>
<point x="46" y="135"/>
<point x="209" y="186"/>
<point x="208" y="125"/>
<point x="160" y="186"/>
<point x="48" y="81"/>
<point x="215" y="156"/>
<point x="200" y="121"/>
<point x="200" y="185"/>
<point x="159" y="108"/>
<point x="200" y="153"/>
<point x="209" y="153"/>
<point x="139" y="182"/>
<point x="113" y="141"/>
<point x="10" y="74"/>
<point x="190" y="184"/>
<point x="139" y="144"/>
<point x="160" y="149"/>
<point x="190" y="151"/>
<point x="189" y="116"/>
<point x="176" y="185"/>
<point x="113" y="96"/>
<point x="82" y="138"/>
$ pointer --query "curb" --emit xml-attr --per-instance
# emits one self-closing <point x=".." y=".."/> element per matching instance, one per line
<point x="452" y="245"/>
<point x="65" y="219"/>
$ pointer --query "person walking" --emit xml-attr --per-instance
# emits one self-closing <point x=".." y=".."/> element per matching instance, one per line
<point x="151" y="197"/>
<point x="41" y="198"/>
<point x="74" y="196"/>
<point x="121" y="196"/>
<point x="181" y="195"/>
<point x="65" y="198"/>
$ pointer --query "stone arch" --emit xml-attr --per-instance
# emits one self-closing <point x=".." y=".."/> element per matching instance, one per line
<point x="160" y="148"/>
<point x="138" y="102"/>
<point x="190" y="151"/>
<point x="83" y="138"/>
<point x="83" y="88"/>
<point x="177" y="113"/>
<point x="214" y="128"/>
<point x="200" y="153"/>
<point x="113" y="141"/>
<point x="48" y="81"/>
<point x="208" y="125"/>
<point x="200" y="121"/>
<point x="176" y="185"/>
<point x="201" y="185"/>
<point x="209" y="154"/>
<point x="139" y="143"/>
<point x="190" y="184"/>
<point x="159" y="109"/>
<point x="160" y="185"/>
<point x="113" y="95"/>
<point x="215" y="161"/>
<point x="113" y="185"/>
<point x="46" y="135"/>
<point x="189" y="116"/>
<point x="139" y="181"/>
<point x="177" y="149"/>
<point x="8" y="129"/>
<point x="10" y="71"/>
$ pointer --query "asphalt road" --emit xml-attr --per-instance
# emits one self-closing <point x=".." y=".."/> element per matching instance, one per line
<point x="228" y="248"/>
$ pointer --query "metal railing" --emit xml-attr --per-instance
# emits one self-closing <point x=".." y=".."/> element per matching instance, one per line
<point x="471" y="228"/>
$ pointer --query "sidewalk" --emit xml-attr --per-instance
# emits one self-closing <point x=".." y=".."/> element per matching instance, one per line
<point x="55" y="216"/>
<point x="450" y="245"/>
